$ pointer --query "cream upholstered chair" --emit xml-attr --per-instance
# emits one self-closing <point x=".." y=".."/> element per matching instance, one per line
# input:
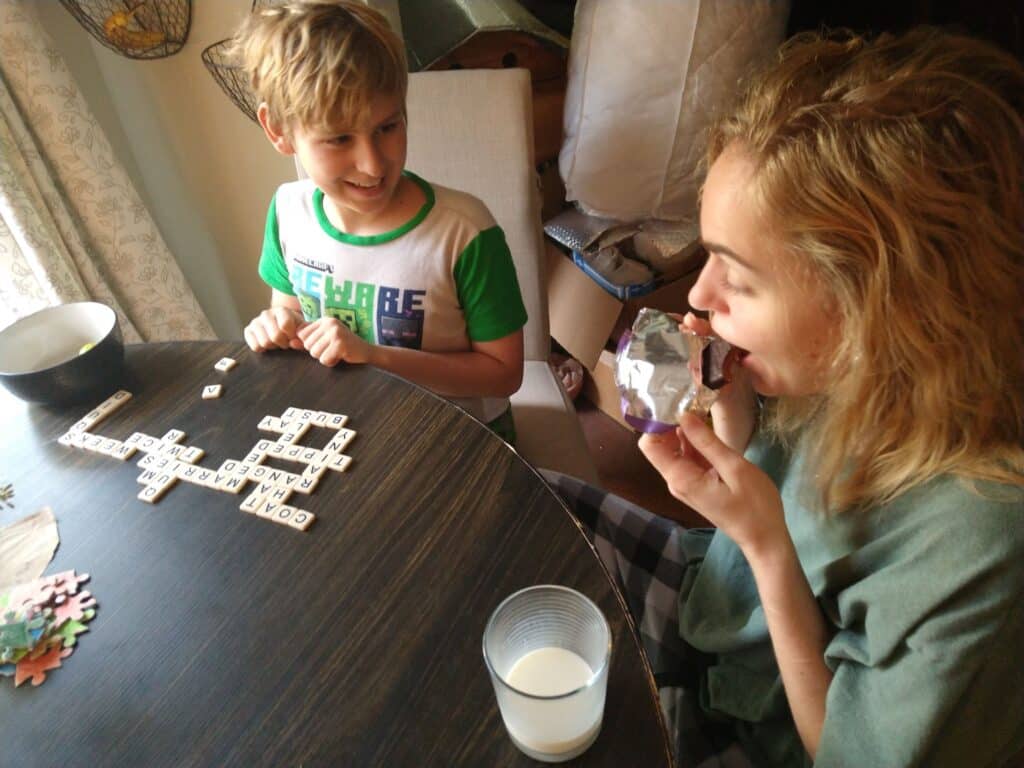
<point x="472" y="129"/>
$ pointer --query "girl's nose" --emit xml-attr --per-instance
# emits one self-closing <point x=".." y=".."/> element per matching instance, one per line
<point x="705" y="295"/>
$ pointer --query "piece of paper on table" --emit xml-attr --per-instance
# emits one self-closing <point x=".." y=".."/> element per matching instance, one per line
<point x="26" y="547"/>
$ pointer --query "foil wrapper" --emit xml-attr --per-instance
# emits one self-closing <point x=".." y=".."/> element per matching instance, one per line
<point x="662" y="371"/>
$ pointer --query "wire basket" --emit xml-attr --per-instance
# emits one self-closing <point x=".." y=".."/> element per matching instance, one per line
<point x="230" y="76"/>
<point x="138" y="29"/>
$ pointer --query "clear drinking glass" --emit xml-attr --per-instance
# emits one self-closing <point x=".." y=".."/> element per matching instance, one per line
<point x="548" y="649"/>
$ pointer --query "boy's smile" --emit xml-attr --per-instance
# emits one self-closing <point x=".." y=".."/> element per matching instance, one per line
<point x="359" y="168"/>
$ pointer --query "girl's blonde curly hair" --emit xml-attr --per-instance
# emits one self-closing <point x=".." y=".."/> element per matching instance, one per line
<point x="893" y="170"/>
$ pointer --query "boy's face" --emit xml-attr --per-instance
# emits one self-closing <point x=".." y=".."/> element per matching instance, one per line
<point x="359" y="166"/>
<point x="759" y="301"/>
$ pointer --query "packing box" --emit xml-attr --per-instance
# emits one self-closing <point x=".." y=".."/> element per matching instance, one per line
<point x="585" y="319"/>
<point x="588" y="321"/>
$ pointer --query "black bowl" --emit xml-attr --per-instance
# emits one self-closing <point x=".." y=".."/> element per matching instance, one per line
<point x="42" y="358"/>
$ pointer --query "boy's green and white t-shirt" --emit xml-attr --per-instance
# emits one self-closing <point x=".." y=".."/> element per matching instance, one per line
<point x="441" y="280"/>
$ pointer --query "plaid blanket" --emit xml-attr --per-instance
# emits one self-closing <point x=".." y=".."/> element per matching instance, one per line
<point x="650" y="559"/>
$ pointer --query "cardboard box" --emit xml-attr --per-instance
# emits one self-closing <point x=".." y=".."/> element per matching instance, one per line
<point x="584" y="317"/>
<point x="599" y="387"/>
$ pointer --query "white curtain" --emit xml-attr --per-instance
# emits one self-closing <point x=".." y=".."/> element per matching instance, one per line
<point x="72" y="226"/>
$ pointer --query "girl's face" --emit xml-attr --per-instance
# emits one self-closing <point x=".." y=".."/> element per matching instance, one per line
<point x="758" y="300"/>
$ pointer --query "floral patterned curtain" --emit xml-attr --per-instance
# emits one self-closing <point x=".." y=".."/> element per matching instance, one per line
<point x="72" y="226"/>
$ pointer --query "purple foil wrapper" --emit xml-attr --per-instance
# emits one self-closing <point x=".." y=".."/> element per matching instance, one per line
<point x="660" y="371"/>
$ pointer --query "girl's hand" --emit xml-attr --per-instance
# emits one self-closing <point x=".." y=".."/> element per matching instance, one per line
<point x="331" y="342"/>
<point x="706" y="474"/>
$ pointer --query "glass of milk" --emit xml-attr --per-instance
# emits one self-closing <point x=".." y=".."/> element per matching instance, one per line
<point x="548" y="649"/>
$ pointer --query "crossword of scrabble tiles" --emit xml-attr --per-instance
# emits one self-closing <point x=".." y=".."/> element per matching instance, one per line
<point x="167" y="460"/>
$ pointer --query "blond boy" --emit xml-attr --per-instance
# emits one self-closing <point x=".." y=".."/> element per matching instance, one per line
<point x="367" y="262"/>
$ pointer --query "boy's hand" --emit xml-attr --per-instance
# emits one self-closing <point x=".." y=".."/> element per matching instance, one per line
<point x="331" y="342"/>
<point x="274" y="328"/>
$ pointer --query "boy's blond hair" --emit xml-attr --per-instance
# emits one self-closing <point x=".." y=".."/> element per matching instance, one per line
<point x="893" y="171"/>
<point x="315" y="62"/>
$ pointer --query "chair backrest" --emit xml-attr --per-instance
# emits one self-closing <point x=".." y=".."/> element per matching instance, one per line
<point x="472" y="129"/>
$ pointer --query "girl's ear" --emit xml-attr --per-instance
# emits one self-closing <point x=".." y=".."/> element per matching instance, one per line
<point x="275" y="133"/>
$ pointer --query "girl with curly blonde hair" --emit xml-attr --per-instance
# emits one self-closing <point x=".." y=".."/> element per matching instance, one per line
<point x="861" y="602"/>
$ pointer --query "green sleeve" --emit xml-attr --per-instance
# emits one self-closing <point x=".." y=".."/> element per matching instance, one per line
<point x="488" y="290"/>
<point x="949" y="691"/>
<point x="272" y="268"/>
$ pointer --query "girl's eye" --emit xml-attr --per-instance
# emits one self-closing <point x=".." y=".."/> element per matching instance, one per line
<point x="389" y="127"/>
<point x="343" y="139"/>
<point x="730" y="287"/>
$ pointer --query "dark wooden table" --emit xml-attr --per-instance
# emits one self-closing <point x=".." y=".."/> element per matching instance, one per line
<point x="226" y="639"/>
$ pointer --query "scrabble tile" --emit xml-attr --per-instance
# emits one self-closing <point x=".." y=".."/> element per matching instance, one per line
<point x="254" y="457"/>
<point x="165" y="478"/>
<point x="67" y="439"/>
<point x="306" y="485"/>
<point x="134" y="438"/>
<point x="313" y="456"/>
<point x="92" y="418"/>
<point x="212" y="391"/>
<point x="279" y="495"/>
<point x="93" y="443"/>
<point x="258" y="473"/>
<point x="281" y="478"/>
<point x="115" y="401"/>
<point x="283" y="514"/>
<point x="278" y="449"/>
<point x="271" y="424"/>
<point x="289" y="481"/>
<point x="82" y="425"/>
<point x="267" y="508"/>
<point x="242" y="469"/>
<point x="151" y="493"/>
<point x="148" y="443"/>
<point x="173" y="436"/>
<point x="188" y="472"/>
<point x="295" y="432"/>
<point x="234" y="484"/>
<point x="314" y="471"/>
<point x="291" y="452"/>
<point x="301" y="520"/>
<point x="336" y="421"/>
<point x="290" y="413"/>
<point x="191" y="454"/>
<point x="205" y="477"/>
<point x="262" y="445"/>
<point x="146" y="461"/>
<point x="124" y="452"/>
<point x="339" y="463"/>
<point x="225" y="364"/>
<point x="148" y="477"/>
<point x="321" y="418"/>
<point x="252" y="502"/>
<point x="340" y="441"/>
<point x="229" y="467"/>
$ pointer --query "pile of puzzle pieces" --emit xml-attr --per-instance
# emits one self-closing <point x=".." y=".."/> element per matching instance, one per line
<point x="39" y="624"/>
